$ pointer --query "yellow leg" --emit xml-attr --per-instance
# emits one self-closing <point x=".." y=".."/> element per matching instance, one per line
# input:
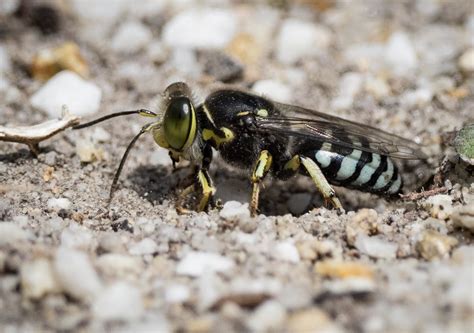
<point x="321" y="182"/>
<point x="262" y="166"/>
<point x="207" y="189"/>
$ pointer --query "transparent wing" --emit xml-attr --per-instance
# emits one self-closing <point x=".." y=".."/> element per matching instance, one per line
<point x="306" y="123"/>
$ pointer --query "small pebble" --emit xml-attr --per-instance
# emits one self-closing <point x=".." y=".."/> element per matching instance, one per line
<point x="205" y="28"/>
<point x="439" y="206"/>
<point x="5" y="63"/>
<point x="286" y="251"/>
<point x="466" y="62"/>
<point x="77" y="236"/>
<point x="235" y="211"/>
<point x="38" y="279"/>
<point x="88" y="151"/>
<point x="343" y="269"/>
<point x="400" y="54"/>
<point x="143" y="247"/>
<point x="270" y="316"/>
<point x="299" y="39"/>
<point x="119" y="265"/>
<point x="11" y="233"/>
<point x="119" y="301"/>
<point x="273" y="89"/>
<point x="464" y="217"/>
<point x="198" y="263"/>
<point x="132" y="36"/>
<point x="311" y="320"/>
<point x="434" y="245"/>
<point x="76" y="274"/>
<point x="67" y="88"/>
<point x="177" y="293"/>
<point x="376" y="247"/>
<point x="48" y="62"/>
<point x="59" y="203"/>
<point x="221" y="66"/>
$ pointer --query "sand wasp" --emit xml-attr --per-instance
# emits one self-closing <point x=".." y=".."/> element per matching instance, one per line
<point x="262" y="136"/>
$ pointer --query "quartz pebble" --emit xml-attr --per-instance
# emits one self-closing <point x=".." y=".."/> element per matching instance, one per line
<point x="76" y="274"/>
<point x="273" y="89"/>
<point x="38" y="279"/>
<point x="77" y="236"/>
<point x="269" y="316"/>
<point x="59" y="203"/>
<point x="119" y="301"/>
<point x="119" y="265"/>
<point x="143" y="247"/>
<point x="286" y="251"/>
<point x="132" y="36"/>
<point x="205" y="28"/>
<point x="10" y="233"/>
<point x="177" y="293"/>
<point x="466" y="61"/>
<point x="400" y="54"/>
<point x="67" y="88"/>
<point x="376" y="247"/>
<point x="298" y="39"/>
<point x="197" y="263"/>
<point x="434" y="245"/>
<point x="439" y="206"/>
<point x="234" y="210"/>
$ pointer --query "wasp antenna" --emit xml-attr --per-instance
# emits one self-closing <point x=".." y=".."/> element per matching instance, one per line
<point x="144" y="129"/>
<point x="142" y="112"/>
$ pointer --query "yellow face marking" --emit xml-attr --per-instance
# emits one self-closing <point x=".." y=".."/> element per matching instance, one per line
<point x="262" y="113"/>
<point x="243" y="113"/>
<point x="159" y="136"/>
<point x="208" y="134"/>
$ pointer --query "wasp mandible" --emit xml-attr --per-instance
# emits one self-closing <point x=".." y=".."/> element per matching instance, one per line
<point x="262" y="136"/>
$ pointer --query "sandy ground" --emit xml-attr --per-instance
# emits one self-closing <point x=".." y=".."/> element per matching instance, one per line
<point x="383" y="266"/>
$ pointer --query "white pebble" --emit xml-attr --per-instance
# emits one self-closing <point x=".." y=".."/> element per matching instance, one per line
<point x="59" y="203"/>
<point x="99" y="134"/>
<point x="416" y="98"/>
<point x="234" y="210"/>
<point x="197" y="263"/>
<point x="273" y="89"/>
<point x="131" y="37"/>
<point x="377" y="87"/>
<point x="200" y="28"/>
<point x="77" y="236"/>
<point x="298" y="39"/>
<point x="177" y="293"/>
<point x="67" y="88"/>
<point x="76" y="274"/>
<point x="10" y="233"/>
<point x="116" y="264"/>
<point x="376" y="247"/>
<point x="119" y="301"/>
<point x="8" y="7"/>
<point x="270" y="316"/>
<point x="286" y="251"/>
<point x="101" y="12"/>
<point x="38" y="279"/>
<point x="185" y="61"/>
<point x="143" y="247"/>
<point x="400" y="54"/>
<point x="466" y="61"/>
<point x="5" y="63"/>
<point x="349" y="86"/>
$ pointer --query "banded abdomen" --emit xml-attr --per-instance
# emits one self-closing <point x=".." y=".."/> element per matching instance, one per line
<point x="353" y="168"/>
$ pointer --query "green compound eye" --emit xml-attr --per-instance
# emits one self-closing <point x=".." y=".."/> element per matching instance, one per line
<point x="179" y="123"/>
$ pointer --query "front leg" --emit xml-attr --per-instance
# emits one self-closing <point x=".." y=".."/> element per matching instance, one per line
<point x="260" y="170"/>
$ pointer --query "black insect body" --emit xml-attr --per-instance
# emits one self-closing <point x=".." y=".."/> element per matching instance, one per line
<point x="262" y="136"/>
